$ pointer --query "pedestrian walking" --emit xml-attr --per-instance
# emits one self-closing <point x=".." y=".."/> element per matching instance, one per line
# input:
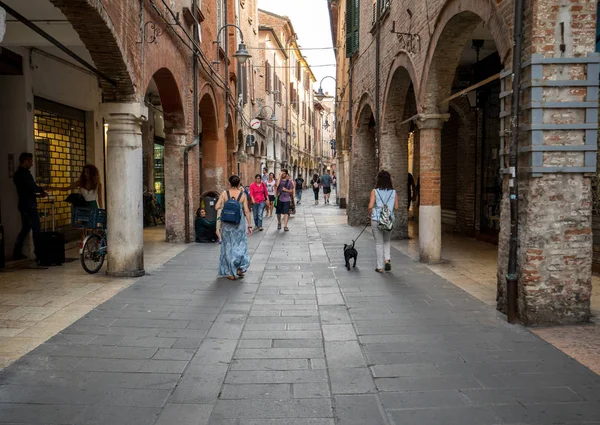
<point x="285" y="192"/>
<point x="326" y="183"/>
<point x="412" y="190"/>
<point x="265" y="175"/>
<point x="316" y="184"/>
<point x="271" y="183"/>
<point x="333" y="180"/>
<point x="235" y="218"/>
<point x="28" y="192"/>
<point x="299" y="186"/>
<point x="258" y="196"/>
<point x="382" y="204"/>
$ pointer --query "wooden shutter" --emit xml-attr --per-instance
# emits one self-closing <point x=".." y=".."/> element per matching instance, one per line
<point x="352" y="26"/>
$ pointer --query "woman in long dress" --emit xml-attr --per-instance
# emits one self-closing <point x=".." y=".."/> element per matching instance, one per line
<point x="234" y="259"/>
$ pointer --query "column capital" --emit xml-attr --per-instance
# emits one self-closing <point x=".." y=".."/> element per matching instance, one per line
<point x="432" y="121"/>
<point x="119" y="111"/>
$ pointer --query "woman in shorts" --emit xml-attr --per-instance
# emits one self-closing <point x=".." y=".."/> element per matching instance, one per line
<point x="271" y="183"/>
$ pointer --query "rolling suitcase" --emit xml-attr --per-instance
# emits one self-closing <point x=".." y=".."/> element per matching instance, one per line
<point x="50" y="246"/>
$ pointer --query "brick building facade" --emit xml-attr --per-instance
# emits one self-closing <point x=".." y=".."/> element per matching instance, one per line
<point x="427" y="85"/>
<point x="159" y="76"/>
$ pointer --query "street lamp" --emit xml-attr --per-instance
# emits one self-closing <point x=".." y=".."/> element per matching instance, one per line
<point x="320" y="94"/>
<point x="241" y="54"/>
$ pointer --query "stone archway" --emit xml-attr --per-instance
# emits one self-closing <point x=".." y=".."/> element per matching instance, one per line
<point x="176" y="136"/>
<point x="210" y="173"/>
<point x="400" y="106"/>
<point x="95" y="29"/>
<point x="455" y="26"/>
<point x="364" y="167"/>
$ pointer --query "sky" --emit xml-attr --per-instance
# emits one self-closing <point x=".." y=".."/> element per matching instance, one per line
<point x="311" y="22"/>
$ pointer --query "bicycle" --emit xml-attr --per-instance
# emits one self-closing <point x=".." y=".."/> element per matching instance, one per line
<point x="94" y="246"/>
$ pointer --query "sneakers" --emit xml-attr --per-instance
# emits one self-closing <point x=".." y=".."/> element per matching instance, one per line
<point x="388" y="266"/>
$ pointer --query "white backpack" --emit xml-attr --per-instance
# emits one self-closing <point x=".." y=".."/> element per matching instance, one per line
<point x="386" y="219"/>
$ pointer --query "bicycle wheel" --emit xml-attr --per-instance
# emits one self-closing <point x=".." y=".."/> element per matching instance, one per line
<point x="91" y="257"/>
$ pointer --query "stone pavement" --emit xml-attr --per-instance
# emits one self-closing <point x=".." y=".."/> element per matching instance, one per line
<point x="300" y="341"/>
<point x="38" y="302"/>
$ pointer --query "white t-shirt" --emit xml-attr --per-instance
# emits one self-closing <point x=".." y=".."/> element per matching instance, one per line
<point x="271" y="187"/>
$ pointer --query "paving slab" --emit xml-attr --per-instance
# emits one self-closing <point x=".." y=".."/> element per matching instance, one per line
<point x="299" y="341"/>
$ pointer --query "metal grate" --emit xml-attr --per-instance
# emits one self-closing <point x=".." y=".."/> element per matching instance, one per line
<point x="60" y="156"/>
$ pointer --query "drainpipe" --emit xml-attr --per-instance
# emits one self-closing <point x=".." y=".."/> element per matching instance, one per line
<point x="226" y="47"/>
<point x="511" y="276"/>
<point x="186" y="178"/>
<point x="377" y="81"/>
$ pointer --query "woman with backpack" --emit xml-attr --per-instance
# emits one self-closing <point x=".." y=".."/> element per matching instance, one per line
<point x="316" y="183"/>
<point x="235" y="229"/>
<point x="382" y="204"/>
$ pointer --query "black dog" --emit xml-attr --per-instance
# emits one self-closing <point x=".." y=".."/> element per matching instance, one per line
<point x="349" y="253"/>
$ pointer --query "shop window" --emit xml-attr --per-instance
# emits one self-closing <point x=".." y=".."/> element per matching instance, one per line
<point x="60" y="152"/>
<point x="159" y="172"/>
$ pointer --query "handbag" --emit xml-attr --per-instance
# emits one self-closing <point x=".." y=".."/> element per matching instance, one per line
<point x="77" y="200"/>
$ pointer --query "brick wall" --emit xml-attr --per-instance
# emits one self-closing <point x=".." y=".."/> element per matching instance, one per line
<point x="555" y="247"/>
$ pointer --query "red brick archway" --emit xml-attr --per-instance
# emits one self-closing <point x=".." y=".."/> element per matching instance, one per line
<point x="95" y="28"/>
<point x="454" y="26"/>
<point x="212" y="171"/>
<point x="364" y="163"/>
<point x="175" y="142"/>
<point x="398" y="107"/>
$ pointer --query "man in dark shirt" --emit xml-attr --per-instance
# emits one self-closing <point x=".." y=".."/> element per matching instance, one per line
<point x="326" y="183"/>
<point x="28" y="192"/>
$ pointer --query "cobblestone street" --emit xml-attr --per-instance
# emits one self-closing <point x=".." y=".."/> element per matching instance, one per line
<point x="299" y="341"/>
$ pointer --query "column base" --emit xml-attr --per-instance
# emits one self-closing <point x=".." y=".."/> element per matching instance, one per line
<point x="430" y="234"/>
<point x="342" y="203"/>
<point x="135" y="273"/>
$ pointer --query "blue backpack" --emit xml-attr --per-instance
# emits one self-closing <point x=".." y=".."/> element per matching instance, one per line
<point x="232" y="211"/>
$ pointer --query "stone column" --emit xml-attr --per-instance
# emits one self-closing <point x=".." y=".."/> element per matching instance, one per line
<point x="124" y="188"/>
<point x="277" y="168"/>
<point x="175" y="142"/>
<point x="430" y="213"/>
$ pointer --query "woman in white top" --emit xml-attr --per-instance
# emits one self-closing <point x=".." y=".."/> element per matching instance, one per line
<point x="383" y="193"/>
<point x="89" y="186"/>
<point x="271" y="183"/>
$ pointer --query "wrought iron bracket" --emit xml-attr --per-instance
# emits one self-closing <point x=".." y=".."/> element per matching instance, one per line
<point x="152" y="30"/>
<point x="408" y="41"/>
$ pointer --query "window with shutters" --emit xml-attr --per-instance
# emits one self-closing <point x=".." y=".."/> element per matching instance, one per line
<point x="303" y="111"/>
<point x="352" y="26"/>
<point x="298" y="72"/>
<point x="293" y="97"/>
<point x="242" y="87"/>
<point x="267" y="76"/>
<point x="384" y="6"/>
<point x="306" y="81"/>
<point x="220" y="21"/>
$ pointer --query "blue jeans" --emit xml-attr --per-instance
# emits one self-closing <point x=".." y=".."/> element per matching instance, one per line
<point x="298" y="194"/>
<point x="259" y="210"/>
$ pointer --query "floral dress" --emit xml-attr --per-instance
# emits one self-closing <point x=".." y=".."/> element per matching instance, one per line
<point x="234" y="247"/>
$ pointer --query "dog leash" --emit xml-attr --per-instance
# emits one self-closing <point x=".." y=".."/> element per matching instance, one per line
<point x="360" y="234"/>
